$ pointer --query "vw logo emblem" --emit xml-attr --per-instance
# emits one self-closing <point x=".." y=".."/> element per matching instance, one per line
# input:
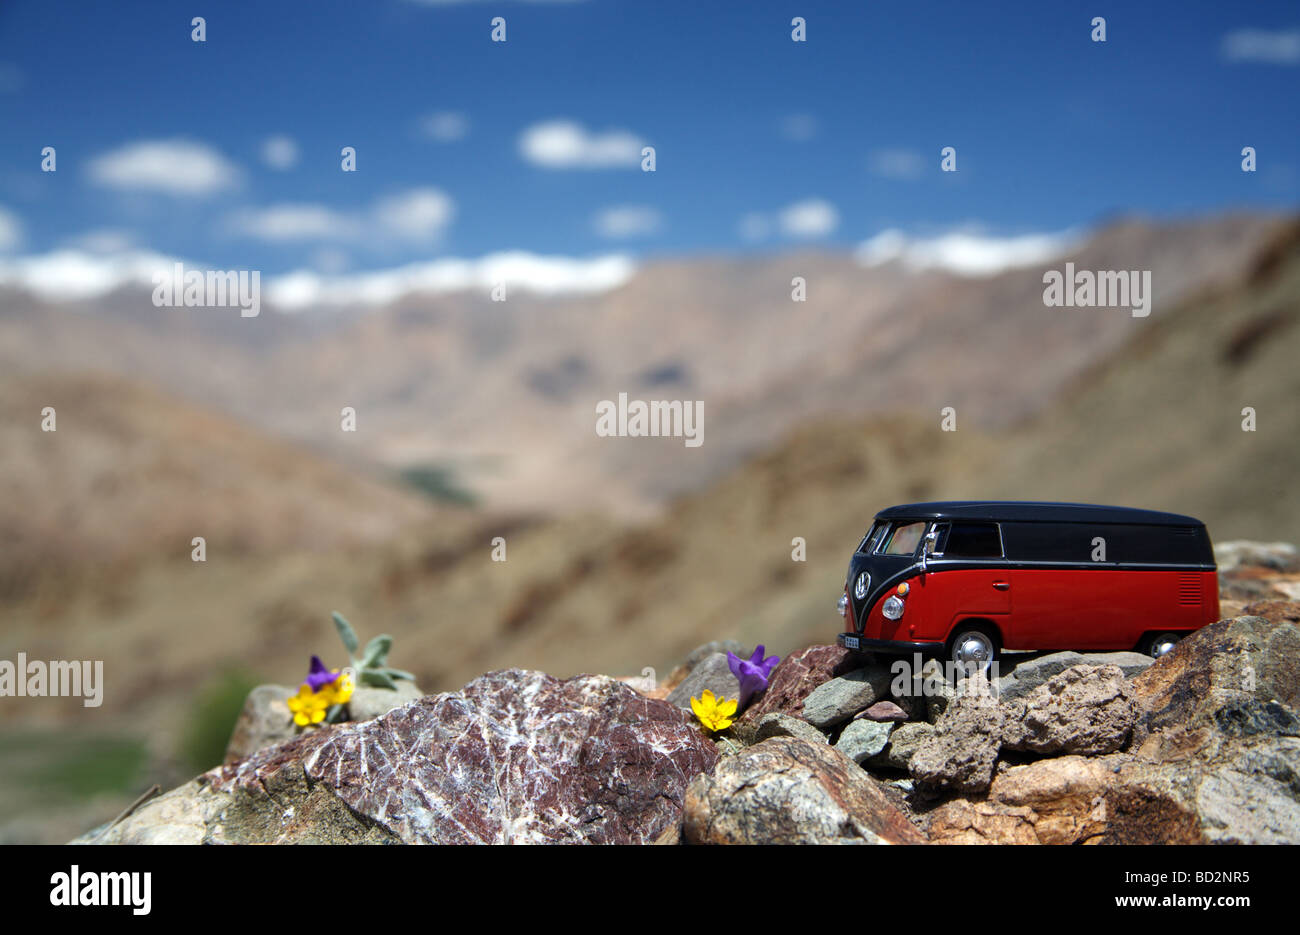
<point x="860" y="586"/>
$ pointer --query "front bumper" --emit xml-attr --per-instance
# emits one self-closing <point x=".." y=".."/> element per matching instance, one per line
<point x="863" y="644"/>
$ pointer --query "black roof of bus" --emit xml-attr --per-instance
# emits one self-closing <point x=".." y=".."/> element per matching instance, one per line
<point x="1010" y="511"/>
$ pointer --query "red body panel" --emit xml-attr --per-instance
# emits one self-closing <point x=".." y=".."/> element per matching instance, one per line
<point x="1051" y="608"/>
<point x="1103" y="608"/>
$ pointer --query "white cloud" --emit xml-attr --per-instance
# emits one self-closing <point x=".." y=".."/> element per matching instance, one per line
<point x="564" y="144"/>
<point x="78" y="274"/>
<point x="963" y="252"/>
<point x="1261" y="46"/>
<point x="419" y="215"/>
<point x="898" y="163"/>
<point x="813" y="217"/>
<point x="176" y="167"/>
<point x="445" y="126"/>
<point x="280" y="152"/>
<point x="799" y="128"/>
<point x="285" y="223"/>
<point x="808" y="219"/>
<point x="622" y="221"/>
<point x="11" y="230"/>
<point x="527" y="272"/>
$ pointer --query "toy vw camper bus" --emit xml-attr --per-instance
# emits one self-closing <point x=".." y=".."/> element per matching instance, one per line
<point x="969" y="579"/>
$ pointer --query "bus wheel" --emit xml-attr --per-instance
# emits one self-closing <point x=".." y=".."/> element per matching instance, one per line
<point x="972" y="649"/>
<point x="1161" y="644"/>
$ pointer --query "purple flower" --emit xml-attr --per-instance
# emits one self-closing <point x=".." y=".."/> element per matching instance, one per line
<point x="752" y="672"/>
<point x="319" y="676"/>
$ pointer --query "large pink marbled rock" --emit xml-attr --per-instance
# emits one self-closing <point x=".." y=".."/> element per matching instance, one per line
<point x="513" y="757"/>
<point x="516" y="757"/>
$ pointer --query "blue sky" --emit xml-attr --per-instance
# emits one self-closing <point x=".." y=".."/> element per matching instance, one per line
<point x="762" y="143"/>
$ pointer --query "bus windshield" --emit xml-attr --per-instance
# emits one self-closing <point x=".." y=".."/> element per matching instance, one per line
<point x="904" y="538"/>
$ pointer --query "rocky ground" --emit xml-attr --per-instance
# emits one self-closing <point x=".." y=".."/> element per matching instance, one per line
<point x="1201" y="746"/>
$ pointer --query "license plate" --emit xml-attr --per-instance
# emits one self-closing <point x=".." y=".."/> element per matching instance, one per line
<point x="850" y="642"/>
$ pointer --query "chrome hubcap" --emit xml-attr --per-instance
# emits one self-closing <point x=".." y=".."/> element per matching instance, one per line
<point x="973" y="649"/>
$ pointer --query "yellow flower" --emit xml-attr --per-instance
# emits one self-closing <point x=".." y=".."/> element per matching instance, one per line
<point x="339" y="690"/>
<point x="308" y="707"/>
<point x="714" y="713"/>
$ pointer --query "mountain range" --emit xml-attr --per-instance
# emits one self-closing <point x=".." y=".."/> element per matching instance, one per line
<point x="621" y="554"/>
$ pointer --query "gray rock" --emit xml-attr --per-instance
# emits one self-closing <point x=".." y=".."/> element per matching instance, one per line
<point x="367" y="702"/>
<point x="698" y="655"/>
<point x="1245" y="656"/>
<point x="838" y="699"/>
<point x="777" y="724"/>
<point x="1021" y="679"/>
<point x="1088" y="710"/>
<point x="1222" y="762"/>
<point x="938" y="691"/>
<point x="1251" y="797"/>
<point x="712" y="673"/>
<point x="264" y="721"/>
<point x="961" y="754"/>
<point x="1131" y="664"/>
<point x="904" y="741"/>
<point x="863" y="738"/>
<point x="1236" y="792"/>
<point x="1214" y="759"/>
<point x="1280" y="556"/>
<point x="1243" y="715"/>
<point x="788" y="791"/>
<point x="702" y="652"/>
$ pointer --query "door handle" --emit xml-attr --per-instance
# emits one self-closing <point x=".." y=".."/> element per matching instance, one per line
<point x="1002" y="585"/>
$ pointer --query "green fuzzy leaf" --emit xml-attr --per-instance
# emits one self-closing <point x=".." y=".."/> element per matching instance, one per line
<point x="376" y="653"/>
<point x="376" y="678"/>
<point x="346" y="634"/>
<point x="400" y="674"/>
<point x="334" y="714"/>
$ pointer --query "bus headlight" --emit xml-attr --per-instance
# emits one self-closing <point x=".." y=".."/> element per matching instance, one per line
<point x="893" y="607"/>
<point x="842" y="606"/>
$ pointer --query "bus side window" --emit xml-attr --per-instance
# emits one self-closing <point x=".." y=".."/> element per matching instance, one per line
<point x="974" y="540"/>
